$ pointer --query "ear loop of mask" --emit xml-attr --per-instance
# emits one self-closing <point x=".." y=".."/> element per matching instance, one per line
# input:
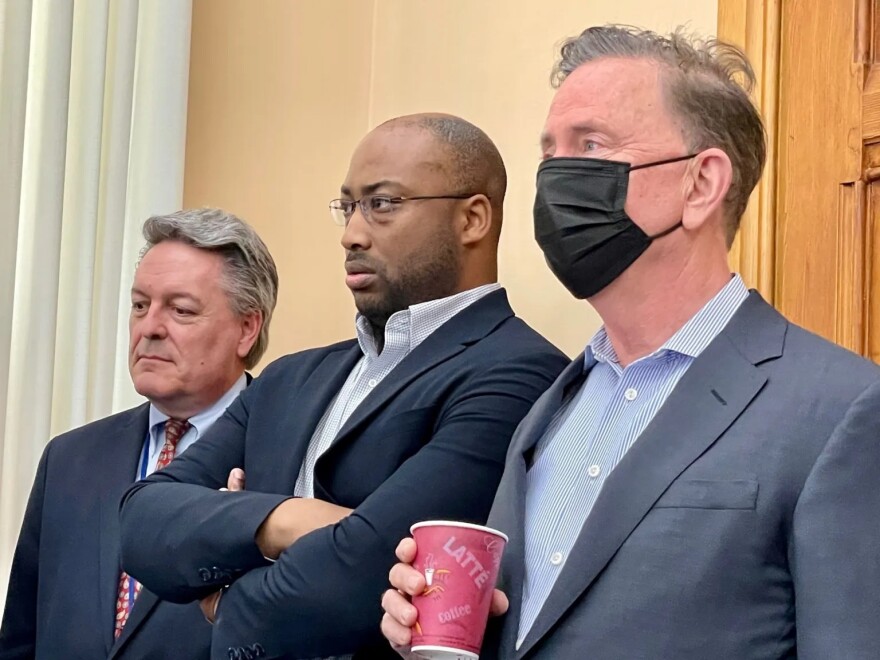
<point x="680" y="223"/>
<point x="671" y="229"/>
<point x="677" y="159"/>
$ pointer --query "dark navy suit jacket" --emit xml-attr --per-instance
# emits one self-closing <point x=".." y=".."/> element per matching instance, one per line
<point x="428" y="442"/>
<point x="61" y="602"/>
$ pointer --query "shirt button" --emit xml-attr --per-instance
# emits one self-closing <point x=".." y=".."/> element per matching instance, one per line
<point x="594" y="471"/>
<point x="556" y="558"/>
<point x="372" y="382"/>
<point x="630" y="394"/>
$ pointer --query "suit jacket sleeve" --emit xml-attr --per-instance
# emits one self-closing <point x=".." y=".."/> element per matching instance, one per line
<point x="157" y="523"/>
<point x="18" y="632"/>
<point x="835" y="551"/>
<point x="322" y="597"/>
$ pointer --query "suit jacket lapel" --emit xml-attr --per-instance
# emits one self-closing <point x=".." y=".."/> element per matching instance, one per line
<point x="467" y="327"/>
<point x="143" y="606"/>
<point x="508" y="512"/>
<point x="118" y="468"/>
<point x="146" y="600"/>
<point x="315" y="396"/>
<point x="712" y="394"/>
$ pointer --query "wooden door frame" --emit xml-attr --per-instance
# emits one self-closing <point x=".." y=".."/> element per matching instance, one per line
<point x="755" y="26"/>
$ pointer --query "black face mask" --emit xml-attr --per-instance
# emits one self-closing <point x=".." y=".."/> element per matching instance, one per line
<point x="587" y="238"/>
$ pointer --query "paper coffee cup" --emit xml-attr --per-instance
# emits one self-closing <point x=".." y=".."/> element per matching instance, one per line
<point x="460" y="562"/>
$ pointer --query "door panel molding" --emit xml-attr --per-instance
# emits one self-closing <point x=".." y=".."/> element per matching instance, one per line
<point x="850" y="308"/>
<point x="755" y="26"/>
<point x="810" y="240"/>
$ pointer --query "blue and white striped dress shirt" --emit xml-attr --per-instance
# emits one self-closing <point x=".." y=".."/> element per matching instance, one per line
<point x="587" y="438"/>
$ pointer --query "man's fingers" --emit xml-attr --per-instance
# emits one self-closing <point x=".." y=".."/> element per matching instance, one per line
<point x="399" y="636"/>
<point x="403" y="576"/>
<point x="208" y="604"/>
<point x="500" y="604"/>
<point x="397" y="622"/>
<point x="406" y="550"/>
<point x="235" y="481"/>
<point x="400" y="615"/>
<point x="407" y="579"/>
<point x="399" y="608"/>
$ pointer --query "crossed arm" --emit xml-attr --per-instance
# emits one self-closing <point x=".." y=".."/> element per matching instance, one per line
<point x="287" y="523"/>
<point x="322" y="596"/>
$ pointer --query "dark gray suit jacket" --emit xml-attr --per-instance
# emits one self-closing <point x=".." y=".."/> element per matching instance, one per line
<point x="743" y="523"/>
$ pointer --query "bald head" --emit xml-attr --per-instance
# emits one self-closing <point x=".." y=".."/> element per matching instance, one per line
<point x="472" y="164"/>
<point x="440" y="182"/>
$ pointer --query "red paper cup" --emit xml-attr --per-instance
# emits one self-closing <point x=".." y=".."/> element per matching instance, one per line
<point x="460" y="563"/>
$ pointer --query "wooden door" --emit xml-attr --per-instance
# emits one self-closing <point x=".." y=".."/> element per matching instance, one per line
<point x="809" y="235"/>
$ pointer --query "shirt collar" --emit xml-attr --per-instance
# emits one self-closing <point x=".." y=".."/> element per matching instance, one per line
<point x="201" y="420"/>
<point x="693" y="337"/>
<point x="410" y="327"/>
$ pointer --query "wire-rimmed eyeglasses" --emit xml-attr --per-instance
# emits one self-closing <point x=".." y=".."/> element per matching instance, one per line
<point x="378" y="208"/>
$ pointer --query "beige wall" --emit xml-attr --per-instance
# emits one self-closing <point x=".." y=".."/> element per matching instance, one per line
<point x="282" y="90"/>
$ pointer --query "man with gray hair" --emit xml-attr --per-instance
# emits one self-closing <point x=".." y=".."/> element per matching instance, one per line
<point x="702" y="481"/>
<point x="203" y="295"/>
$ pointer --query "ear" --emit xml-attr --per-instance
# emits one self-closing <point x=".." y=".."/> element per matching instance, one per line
<point x="706" y="187"/>
<point x="476" y="219"/>
<point x="251" y="323"/>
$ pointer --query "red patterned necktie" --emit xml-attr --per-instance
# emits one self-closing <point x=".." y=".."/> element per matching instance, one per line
<point x="129" y="588"/>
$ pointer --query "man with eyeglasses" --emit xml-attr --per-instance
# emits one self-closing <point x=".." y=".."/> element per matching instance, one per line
<point x="344" y="447"/>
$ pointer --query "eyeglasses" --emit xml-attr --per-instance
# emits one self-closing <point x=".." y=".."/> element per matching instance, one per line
<point x="377" y="208"/>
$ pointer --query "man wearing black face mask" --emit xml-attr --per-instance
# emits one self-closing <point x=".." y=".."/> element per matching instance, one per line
<point x="702" y="482"/>
<point x="581" y="223"/>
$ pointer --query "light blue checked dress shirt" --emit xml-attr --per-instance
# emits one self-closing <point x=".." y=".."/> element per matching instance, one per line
<point x="587" y="438"/>
<point x="403" y="332"/>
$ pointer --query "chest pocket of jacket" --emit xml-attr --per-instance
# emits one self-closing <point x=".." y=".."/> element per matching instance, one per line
<point x="709" y="494"/>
